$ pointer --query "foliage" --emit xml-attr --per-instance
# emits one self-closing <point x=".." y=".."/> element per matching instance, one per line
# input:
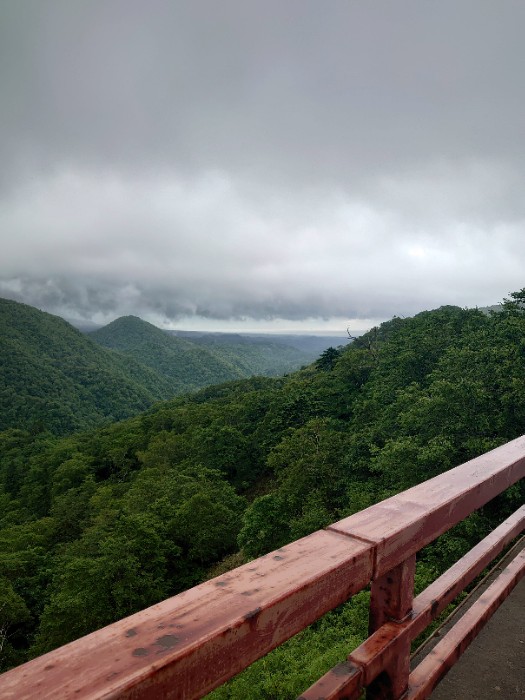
<point x="53" y="378"/>
<point x="99" y="524"/>
<point x="198" y="360"/>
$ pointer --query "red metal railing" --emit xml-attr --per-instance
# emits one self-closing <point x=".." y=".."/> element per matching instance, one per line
<point x="191" y="643"/>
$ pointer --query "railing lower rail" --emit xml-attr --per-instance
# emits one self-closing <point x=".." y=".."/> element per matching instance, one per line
<point x="189" y="644"/>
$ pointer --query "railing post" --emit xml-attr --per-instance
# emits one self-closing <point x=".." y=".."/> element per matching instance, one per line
<point x="391" y="601"/>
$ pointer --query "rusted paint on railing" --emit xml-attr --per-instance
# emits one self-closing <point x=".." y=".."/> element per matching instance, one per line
<point x="187" y="645"/>
<point x="343" y="682"/>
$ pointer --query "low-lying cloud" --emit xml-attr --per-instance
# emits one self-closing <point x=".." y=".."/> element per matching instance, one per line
<point x="173" y="248"/>
<point x="249" y="161"/>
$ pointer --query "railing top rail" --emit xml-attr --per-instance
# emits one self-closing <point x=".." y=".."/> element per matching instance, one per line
<point x="193" y="642"/>
<point x="403" y="524"/>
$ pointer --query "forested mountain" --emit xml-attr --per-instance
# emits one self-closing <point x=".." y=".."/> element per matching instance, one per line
<point x="98" y="525"/>
<point x="264" y="355"/>
<point x="188" y="365"/>
<point x="54" y="378"/>
<point x="197" y="360"/>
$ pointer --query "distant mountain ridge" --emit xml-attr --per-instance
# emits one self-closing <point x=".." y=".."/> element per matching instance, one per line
<point x="310" y="344"/>
<point x="53" y="377"/>
<point x="187" y="365"/>
<point x="194" y="360"/>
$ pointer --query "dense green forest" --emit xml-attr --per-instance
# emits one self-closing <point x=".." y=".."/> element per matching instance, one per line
<point x="55" y="378"/>
<point x="99" y="524"/>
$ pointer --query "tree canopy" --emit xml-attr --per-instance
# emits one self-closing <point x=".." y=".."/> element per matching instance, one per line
<point x="98" y="524"/>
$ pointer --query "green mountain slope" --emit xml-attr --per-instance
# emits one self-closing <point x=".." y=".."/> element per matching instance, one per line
<point x="53" y="377"/>
<point x="261" y="355"/>
<point x="308" y="347"/>
<point x="189" y="365"/>
<point x="200" y="359"/>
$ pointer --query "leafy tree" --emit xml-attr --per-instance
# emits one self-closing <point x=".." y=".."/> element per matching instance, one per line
<point x="327" y="360"/>
<point x="310" y="460"/>
<point x="13" y="615"/>
<point x="266" y="526"/>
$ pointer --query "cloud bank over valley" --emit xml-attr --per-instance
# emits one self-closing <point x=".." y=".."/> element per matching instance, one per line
<point x="250" y="165"/>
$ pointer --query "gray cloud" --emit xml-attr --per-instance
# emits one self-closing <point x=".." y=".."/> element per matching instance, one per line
<point x="256" y="160"/>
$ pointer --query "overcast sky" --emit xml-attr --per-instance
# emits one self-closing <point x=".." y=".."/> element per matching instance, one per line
<point x="276" y="164"/>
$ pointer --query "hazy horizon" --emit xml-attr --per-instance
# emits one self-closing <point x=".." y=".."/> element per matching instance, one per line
<point x="200" y="326"/>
